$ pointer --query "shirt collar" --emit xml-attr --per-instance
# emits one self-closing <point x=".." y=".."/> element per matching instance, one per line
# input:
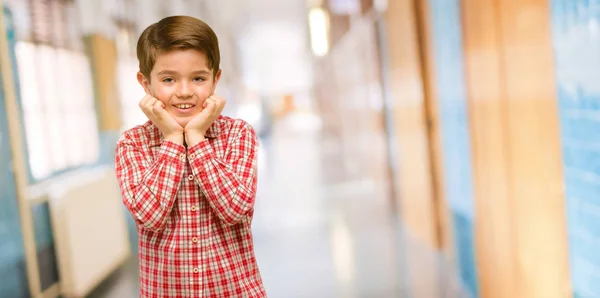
<point x="156" y="137"/>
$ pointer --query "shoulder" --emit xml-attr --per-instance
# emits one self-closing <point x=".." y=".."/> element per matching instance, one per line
<point x="234" y="127"/>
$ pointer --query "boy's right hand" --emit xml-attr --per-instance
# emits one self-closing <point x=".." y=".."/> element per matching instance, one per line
<point x="155" y="111"/>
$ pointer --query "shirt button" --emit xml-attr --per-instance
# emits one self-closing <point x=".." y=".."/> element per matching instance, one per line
<point x="182" y="156"/>
<point x="191" y="177"/>
<point x="195" y="240"/>
<point x="194" y="208"/>
<point x="192" y="156"/>
<point x="196" y="270"/>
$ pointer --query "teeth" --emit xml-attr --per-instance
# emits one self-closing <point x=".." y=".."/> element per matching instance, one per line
<point x="184" y="106"/>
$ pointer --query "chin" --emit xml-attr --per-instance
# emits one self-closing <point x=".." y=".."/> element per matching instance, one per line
<point x="182" y="121"/>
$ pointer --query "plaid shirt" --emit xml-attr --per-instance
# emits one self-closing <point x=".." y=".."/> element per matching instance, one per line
<point x="193" y="208"/>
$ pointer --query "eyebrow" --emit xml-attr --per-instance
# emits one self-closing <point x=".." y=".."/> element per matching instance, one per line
<point x="172" y="72"/>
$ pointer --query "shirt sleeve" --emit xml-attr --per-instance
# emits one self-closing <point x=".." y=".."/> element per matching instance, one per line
<point x="229" y="184"/>
<point x="149" y="187"/>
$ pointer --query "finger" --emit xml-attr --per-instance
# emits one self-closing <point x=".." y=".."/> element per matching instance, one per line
<point x="211" y="107"/>
<point x="148" y="103"/>
<point x="146" y="109"/>
<point x="144" y="101"/>
<point x="152" y="101"/>
<point x="221" y="102"/>
<point x="207" y="101"/>
<point x="217" y="99"/>
<point x="159" y="109"/>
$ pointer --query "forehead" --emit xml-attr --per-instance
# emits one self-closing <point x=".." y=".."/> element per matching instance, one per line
<point x="181" y="61"/>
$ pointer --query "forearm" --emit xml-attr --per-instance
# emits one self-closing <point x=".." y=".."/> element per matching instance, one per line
<point x="176" y="138"/>
<point x="230" y="194"/>
<point x="193" y="138"/>
<point x="150" y="193"/>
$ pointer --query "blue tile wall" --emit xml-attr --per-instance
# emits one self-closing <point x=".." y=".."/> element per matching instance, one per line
<point x="576" y="43"/>
<point x="12" y="256"/>
<point x="454" y="127"/>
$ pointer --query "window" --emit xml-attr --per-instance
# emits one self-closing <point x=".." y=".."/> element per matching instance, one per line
<point x="58" y="108"/>
<point x="56" y="92"/>
<point x="130" y="91"/>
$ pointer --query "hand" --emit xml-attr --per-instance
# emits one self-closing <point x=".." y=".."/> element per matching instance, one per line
<point x="195" y="130"/>
<point x="155" y="111"/>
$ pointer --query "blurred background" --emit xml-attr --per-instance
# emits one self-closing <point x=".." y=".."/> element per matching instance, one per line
<point x="408" y="148"/>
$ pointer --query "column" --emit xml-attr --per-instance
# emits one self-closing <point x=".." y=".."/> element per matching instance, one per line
<point x="520" y="213"/>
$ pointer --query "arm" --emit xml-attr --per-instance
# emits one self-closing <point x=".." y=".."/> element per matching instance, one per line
<point x="149" y="189"/>
<point x="230" y="183"/>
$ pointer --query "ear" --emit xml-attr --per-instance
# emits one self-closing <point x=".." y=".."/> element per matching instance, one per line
<point x="145" y="83"/>
<point x="217" y="78"/>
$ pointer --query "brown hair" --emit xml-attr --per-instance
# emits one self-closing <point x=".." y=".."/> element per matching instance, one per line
<point x="177" y="33"/>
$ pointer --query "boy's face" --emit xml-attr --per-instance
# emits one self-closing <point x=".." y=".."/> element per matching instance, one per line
<point x="182" y="80"/>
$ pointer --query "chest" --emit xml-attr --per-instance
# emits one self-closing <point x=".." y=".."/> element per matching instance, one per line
<point x="190" y="197"/>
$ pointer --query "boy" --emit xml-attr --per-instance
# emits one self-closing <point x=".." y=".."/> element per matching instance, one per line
<point x="188" y="175"/>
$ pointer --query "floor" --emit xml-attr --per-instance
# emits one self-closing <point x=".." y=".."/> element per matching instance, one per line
<point x="322" y="230"/>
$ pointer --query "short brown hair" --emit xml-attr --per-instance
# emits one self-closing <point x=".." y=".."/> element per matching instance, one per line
<point x="177" y="33"/>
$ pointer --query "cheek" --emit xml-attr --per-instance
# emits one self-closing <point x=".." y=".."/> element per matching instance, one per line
<point x="204" y="92"/>
<point x="162" y="94"/>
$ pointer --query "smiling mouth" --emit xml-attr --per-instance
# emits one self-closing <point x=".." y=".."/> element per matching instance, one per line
<point x="184" y="106"/>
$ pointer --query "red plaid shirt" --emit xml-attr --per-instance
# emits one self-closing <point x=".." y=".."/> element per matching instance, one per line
<point x="193" y="207"/>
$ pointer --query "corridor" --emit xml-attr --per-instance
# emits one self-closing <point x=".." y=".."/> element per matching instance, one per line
<point x="408" y="149"/>
<point x="320" y="235"/>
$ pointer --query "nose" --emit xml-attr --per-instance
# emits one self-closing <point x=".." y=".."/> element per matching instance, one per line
<point x="184" y="90"/>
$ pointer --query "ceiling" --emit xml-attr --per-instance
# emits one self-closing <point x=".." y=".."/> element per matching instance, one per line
<point x="271" y="42"/>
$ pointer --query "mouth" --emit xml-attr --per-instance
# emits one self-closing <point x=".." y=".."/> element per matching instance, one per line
<point x="184" y="108"/>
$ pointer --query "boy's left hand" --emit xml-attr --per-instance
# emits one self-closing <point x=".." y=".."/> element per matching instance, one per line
<point x="197" y="127"/>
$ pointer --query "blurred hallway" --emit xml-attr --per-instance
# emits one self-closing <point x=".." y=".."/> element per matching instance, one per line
<point x="409" y="148"/>
<point x="318" y="235"/>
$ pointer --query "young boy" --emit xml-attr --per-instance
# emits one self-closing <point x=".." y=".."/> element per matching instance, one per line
<point x="188" y="175"/>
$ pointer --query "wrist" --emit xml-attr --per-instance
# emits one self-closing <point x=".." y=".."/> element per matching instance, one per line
<point x="192" y="138"/>
<point x="175" y="138"/>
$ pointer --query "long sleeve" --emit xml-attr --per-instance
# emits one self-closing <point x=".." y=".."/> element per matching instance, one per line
<point x="228" y="183"/>
<point x="149" y="187"/>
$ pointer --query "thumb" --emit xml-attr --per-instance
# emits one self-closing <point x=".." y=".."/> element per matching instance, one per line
<point x="159" y="109"/>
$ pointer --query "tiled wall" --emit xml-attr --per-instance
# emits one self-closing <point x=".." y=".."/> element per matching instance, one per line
<point x="12" y="258"/>
<point x="576" y="35"/>
<point x="447" y="47"/>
